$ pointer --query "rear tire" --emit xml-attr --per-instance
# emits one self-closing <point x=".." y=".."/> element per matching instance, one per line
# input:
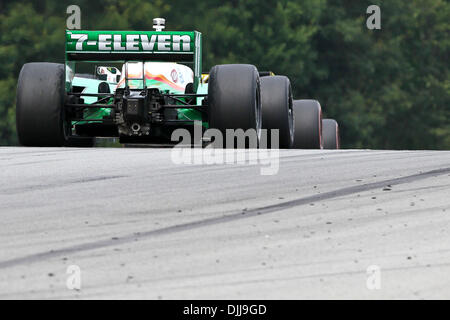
<point x="234" y="99"/>
<point x="308" y="124"/>
<point x="40" y="105"/>
<point x="331" y="139"/>
<point x="277" y="110"/>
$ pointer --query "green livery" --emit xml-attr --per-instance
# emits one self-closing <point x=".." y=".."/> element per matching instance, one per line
<point x="95" y="46"/>
<point x="99" y="46"/>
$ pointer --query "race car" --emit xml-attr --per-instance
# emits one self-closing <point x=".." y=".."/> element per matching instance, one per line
<point x="154" y="85"/>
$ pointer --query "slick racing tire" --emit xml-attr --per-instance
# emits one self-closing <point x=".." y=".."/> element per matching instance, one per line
<point x="277" y="111"/>
<point x="308" y="124"/>
<point x="235" y="103"/>
<point x="330" y="133"/>
<point x="40" y="105"/>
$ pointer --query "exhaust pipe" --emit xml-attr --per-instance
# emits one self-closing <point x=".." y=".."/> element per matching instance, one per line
<point x="136" y="127"/>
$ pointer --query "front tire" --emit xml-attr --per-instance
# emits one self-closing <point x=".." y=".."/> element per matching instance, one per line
<point x="234" y="99"/>
<point x="40" y="105"/>
<point x="277" y="110"/>
<point x="331" y="139"/>
<point x="308" y="124"/>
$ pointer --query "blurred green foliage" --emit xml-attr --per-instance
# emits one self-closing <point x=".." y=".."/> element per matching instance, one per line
<point x="388" y="88"/>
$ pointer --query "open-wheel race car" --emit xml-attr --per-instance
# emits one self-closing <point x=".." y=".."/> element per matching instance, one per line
<point x="149" y="84"/>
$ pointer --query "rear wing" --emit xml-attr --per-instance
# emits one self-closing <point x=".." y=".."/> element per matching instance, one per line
<point x="121" y="46"/>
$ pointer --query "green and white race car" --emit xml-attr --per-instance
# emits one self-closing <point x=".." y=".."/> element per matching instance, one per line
<point x="150" y="83"/>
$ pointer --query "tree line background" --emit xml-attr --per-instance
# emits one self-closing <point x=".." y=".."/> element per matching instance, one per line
<point x="388" y="88"/>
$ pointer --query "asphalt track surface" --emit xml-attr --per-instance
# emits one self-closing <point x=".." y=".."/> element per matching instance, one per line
<point x="139" y="225"/>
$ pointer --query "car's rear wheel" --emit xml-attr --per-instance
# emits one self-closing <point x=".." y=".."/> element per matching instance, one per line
<point x="40" y="105"/>
<point x="308" y="124"/>
<point x="277" y="110"/>
<point x="234" y="100"/>
<point x="331" y="138"/>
